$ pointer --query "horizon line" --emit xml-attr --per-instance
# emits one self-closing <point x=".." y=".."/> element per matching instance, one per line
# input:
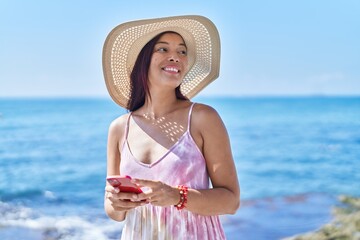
<point x="197" y="96"/>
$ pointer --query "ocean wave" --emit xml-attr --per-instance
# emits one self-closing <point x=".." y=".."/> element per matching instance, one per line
<point x="262" y="218"/>
<point x="36" y="195"/>
<point x="57" y="227"/>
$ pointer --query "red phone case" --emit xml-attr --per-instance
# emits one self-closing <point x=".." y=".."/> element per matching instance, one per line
<point x="123" y="183"/>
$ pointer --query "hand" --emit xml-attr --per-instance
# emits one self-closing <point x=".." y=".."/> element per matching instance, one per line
<point x="159" y="193"/>
<point x="122" y="201"/>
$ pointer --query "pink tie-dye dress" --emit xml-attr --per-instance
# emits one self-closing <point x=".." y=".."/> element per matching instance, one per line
<point x="183" y="164"/>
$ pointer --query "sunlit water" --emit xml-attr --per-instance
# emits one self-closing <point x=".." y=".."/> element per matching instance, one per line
<point x="290" y="153"/>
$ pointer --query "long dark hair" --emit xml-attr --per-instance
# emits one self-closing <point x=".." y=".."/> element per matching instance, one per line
<point x="139" y="76"/>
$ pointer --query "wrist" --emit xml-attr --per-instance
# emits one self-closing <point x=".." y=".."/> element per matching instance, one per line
<point x="175" y="196"/>
<point x="183" y="192"/>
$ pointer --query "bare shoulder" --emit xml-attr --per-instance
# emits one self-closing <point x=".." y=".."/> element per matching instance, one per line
<point x="205" y="116"/>
<point x="117" y="126"/>
<point x="204" y="112"/>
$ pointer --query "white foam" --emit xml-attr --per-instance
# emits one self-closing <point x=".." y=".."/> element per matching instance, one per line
<point x="50" y="195"/>
<point x="63" y="227"/>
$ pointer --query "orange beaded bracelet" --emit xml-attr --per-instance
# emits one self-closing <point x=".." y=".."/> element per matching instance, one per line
<point x="183" y="190"/>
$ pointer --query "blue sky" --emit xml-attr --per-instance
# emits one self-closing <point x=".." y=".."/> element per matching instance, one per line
<point x="308" y="47"/>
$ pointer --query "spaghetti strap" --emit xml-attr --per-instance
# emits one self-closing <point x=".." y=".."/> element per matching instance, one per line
<point x="126" y="131"/>
<point x="127" y="127"/>
<point x="189" y="117"/>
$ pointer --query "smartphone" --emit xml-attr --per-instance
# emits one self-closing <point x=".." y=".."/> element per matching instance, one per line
<point x="123" y="183"/>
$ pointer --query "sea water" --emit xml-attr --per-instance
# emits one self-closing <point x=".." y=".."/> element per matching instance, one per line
<point x="289" y="152"/>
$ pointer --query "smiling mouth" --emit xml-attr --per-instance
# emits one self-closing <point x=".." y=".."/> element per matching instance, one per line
<point x="171" y="69"/>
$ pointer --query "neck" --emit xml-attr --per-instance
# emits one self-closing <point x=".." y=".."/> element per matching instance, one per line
<point x="159" y="105"/>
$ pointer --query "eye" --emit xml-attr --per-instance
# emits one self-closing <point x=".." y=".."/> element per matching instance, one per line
<point x="183" y="52"/>
<point x="161" y="49"/>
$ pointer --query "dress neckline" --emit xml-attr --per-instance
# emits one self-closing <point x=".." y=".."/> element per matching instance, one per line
<point x="149" y="165"/>
<point x="170" y="149"/>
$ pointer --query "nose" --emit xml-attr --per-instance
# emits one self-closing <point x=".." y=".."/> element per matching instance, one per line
<point x="173" y="58"/>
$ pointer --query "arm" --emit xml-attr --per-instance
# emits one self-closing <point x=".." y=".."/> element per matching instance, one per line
<point x="210" y="134"/>
<point x="114" y="204"/>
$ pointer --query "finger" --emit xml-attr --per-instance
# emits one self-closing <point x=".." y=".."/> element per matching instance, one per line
<point x="120" y="204"/>
<point x="112" y="189"/>
<point x="126" y="196"/>
<point x="153" y="200"/>
<point x="129" y="207"/>
<point x="122" y="198"/>
<point x="130" y="204"/>
<point x="146" y="194"/>
<point x="109" y="188"/>
<point x="145" y="183"/>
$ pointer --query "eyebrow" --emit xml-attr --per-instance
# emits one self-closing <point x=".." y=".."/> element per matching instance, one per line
<point x="181" y="44"/>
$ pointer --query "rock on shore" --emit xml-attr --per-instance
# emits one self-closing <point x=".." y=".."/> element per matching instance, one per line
<point x="344" y="226"/>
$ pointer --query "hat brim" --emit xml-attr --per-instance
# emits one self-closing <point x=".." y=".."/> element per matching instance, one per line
<point x="124" y="43"/>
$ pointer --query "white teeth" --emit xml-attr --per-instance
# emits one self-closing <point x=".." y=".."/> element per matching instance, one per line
<point x="171" y="69"/>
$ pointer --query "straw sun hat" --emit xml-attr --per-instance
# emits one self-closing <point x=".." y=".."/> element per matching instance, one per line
<point x="124" y="43"/>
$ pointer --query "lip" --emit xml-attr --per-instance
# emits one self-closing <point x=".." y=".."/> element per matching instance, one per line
<point x="171" y="69"/>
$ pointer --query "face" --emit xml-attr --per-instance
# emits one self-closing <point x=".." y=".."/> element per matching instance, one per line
<point x="169" y="61"/>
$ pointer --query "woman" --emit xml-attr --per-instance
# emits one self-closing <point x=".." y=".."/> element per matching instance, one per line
<point x="170" y="146"/>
